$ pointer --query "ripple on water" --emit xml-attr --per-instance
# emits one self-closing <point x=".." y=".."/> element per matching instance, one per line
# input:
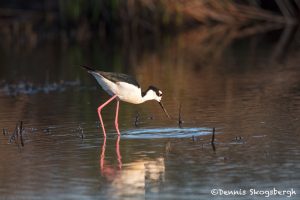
<point x="156" y="133"/>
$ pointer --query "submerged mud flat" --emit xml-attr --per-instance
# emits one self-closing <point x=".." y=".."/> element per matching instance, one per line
<point x="29" y="88"/>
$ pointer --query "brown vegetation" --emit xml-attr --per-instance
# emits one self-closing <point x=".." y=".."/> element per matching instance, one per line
<point x="81" y="20"/>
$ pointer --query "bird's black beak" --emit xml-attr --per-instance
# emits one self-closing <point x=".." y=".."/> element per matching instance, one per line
<point x="161" y="105"/>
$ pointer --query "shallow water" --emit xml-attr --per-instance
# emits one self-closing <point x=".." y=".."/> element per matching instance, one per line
<point x="249" y="97"/>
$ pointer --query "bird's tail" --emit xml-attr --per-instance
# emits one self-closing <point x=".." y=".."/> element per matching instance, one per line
<point x="89" y="69"/>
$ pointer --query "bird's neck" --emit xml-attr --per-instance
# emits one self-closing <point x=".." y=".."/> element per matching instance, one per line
<point x="146" y="96"/>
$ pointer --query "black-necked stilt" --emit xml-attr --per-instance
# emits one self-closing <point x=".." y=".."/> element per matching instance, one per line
<point x="125" y="88"/>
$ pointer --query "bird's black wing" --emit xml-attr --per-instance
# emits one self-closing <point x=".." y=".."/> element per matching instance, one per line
<point x="115" y="77"/>
<point x="118" y="77"/>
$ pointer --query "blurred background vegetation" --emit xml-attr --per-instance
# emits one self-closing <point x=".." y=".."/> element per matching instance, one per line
<point x="33" y="21"/>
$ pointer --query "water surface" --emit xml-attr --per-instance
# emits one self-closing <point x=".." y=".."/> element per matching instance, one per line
<point x="239" y="87"/>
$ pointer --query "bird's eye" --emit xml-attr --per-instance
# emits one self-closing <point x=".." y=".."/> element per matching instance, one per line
<point x="159" y="93"/>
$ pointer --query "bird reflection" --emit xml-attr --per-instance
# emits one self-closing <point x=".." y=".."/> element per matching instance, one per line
<point x="106" y="169"/>
<point x="135" y="178"/>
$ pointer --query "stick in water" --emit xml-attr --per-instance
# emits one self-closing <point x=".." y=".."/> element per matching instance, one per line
<point x="213" y="139"/>
<point x="137" y="117"/>
<point x="179" y="117"/>
<point x="21" y="131"/>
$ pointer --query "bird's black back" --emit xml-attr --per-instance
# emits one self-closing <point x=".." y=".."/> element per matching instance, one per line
<point x="115" y="77"/>
<point x="118" y="77"/>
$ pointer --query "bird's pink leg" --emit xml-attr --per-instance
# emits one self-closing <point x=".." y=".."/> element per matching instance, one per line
<point x="102" y="157"/>
<point x="119" y="157"/>
<point x="99" y="112"/>
<point x="117" y="116"/>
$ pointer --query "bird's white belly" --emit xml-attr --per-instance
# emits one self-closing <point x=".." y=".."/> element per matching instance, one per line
<point x="125" y="91"/>
<point x="128" y="93"/>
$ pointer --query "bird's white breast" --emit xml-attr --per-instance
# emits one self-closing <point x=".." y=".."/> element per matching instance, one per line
<point x="128" y="93"/>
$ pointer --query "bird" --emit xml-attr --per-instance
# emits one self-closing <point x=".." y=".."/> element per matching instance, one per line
<point x="123" y="87"/>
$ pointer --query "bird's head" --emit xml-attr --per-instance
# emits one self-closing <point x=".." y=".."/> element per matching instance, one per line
<point x="153" y="93"/>
<point x="156" y="94"/>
